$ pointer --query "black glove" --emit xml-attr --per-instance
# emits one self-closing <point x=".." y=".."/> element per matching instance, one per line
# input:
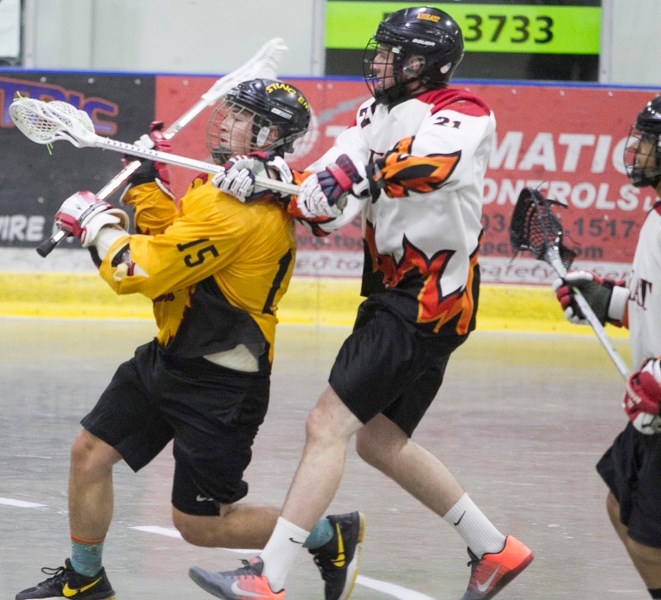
<point x="598" y="293"/>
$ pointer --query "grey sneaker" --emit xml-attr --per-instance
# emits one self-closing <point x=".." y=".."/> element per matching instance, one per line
<point x="240" y="584"/>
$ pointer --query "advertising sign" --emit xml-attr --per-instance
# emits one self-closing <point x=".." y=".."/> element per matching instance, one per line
<point x="566" y="140"/>
<point x="35" y="179"/>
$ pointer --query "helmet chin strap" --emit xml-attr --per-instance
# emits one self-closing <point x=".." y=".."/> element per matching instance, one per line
<point x="401" y="90"/>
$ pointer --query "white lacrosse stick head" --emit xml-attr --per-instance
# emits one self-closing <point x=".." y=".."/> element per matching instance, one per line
<point x="47" y="122"/>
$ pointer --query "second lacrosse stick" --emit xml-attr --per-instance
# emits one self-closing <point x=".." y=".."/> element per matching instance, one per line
<point x="536" y="229"/>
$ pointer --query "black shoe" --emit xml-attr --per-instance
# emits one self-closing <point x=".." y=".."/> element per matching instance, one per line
<point x="338" y="559"/>
<point x="64" y="582"/>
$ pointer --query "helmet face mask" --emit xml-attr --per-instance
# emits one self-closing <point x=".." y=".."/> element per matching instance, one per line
<point x="257" y="115"/>
<point x="642" y="153"/>
<point x="412" y="49"/>
<point x="386" y="74"/>
<point x="231" y="131"/>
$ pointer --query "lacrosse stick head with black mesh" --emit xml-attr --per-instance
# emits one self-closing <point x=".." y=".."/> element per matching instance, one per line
<point x="536" y="229"/>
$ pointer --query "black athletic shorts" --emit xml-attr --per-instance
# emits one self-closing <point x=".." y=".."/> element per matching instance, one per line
<point x="631" y="468"/>
<point x="388" y="365"/>
<point x="212" y="414"/>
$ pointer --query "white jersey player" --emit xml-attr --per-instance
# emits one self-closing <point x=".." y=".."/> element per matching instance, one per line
<point x="631" y="467"/>
<point x="644" y="286"/>
<point x="425" y="159"/>
<point x="412" y="166"/>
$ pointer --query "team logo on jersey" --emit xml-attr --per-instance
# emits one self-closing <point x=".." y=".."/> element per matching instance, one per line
<point x="401" y="173"/>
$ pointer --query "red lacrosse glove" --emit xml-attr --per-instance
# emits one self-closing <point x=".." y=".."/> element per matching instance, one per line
<point x="642" y="399"/>
<point x="323" y="195"/>
<point x="83" y="215"/>
<point x="148" y="170"/>
<point x="338" y="179"/>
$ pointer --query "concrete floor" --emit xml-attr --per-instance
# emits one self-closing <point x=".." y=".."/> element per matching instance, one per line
<point x="521" y="421"/>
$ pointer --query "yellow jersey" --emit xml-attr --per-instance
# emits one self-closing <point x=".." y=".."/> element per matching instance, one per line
<point x="214" y="267"/>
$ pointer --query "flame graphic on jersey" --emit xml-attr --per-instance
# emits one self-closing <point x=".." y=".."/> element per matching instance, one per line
<point x="433" y="305"/>
<point x="169" y="312"/>
<point x="402" y="173"/>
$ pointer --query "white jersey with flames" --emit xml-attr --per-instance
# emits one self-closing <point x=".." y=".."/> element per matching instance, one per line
<point x="644" y="306"/>
<point x="423" y="229"/>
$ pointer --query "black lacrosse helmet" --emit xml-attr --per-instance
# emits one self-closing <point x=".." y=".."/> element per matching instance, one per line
<point x="535" y="228"/>
<point x="427" y="45"/>
<point x="642" y="153"/>
<point x="272" y="104"/>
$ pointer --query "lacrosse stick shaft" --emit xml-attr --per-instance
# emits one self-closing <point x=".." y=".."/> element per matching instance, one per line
<point x="185" y="162"/>
<point x="46" y="247"/>
<point x="262" y="64"/>
<point x="172" y="159"/>
<point x="553" y="259"/>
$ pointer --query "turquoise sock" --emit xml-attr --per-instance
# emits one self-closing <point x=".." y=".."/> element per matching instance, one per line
<point x="86" y="559"/>
<point x="321" y="534"/>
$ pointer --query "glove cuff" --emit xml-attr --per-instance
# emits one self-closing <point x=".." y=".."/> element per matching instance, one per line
<point x="113" y="216"/>
<point x="104" y="240"/>
<point x="618" y="304"/>
<point x="653" y="367"/>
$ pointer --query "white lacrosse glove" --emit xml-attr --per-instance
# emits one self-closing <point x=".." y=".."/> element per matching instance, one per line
<point x="607" y="298"/>
<point x="83" y="215"/>
<point x="642" y="400"/>
<point x="323" y="195"/>
<point x="237" y="175"/>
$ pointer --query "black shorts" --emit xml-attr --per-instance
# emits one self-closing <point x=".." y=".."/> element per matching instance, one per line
<point x="212" y="414"/>
<point x="389" y="366"/>
<point x="631" y="468"/>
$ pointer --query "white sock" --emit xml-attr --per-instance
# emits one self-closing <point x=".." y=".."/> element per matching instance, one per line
<point x="478" y="532"/>
<point x="280" y="552"/>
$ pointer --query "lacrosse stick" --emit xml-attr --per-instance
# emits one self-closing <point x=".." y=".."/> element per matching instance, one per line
<point x="48" y="122"/>
<point x="535" y="228"/>
<point x="264" y="63"/>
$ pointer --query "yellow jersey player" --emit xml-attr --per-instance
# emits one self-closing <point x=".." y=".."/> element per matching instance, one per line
<point x="215" y="269"/>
